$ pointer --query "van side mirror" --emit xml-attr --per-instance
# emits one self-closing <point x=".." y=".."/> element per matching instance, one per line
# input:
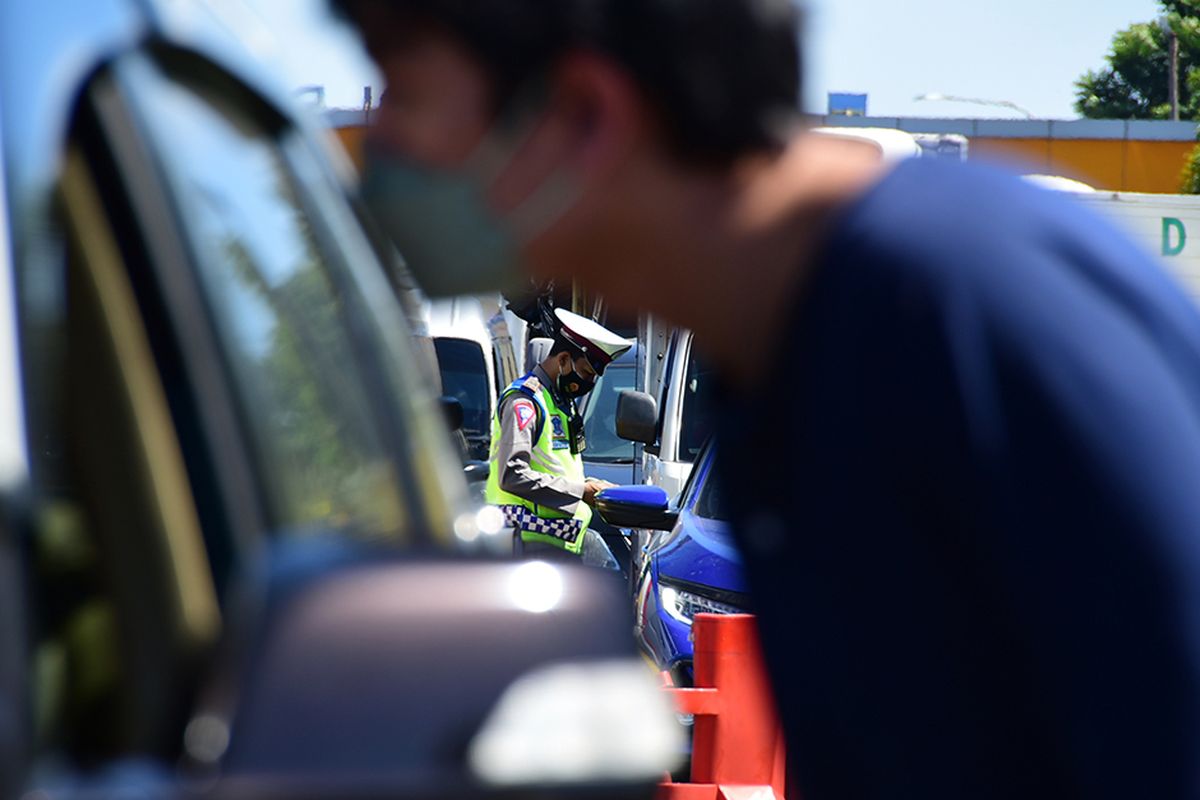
<point x="453" y="410"/>
<point x="637" y="417"/>
<point x="645" y="507"/>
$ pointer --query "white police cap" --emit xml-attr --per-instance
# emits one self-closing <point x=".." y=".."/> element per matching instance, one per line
<point x="599" y="345"/>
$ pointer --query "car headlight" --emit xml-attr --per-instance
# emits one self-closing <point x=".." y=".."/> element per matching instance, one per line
<point x="684" y="605"/>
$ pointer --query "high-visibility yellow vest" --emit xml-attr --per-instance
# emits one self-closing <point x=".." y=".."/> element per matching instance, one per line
<point x="551" y="455"/>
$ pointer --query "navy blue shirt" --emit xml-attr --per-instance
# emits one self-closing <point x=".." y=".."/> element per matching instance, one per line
<point x="968" y="499"/>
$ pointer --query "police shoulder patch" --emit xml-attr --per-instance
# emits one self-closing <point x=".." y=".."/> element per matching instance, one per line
<point x="525" y="413"/>
<point x="532" y="384"/>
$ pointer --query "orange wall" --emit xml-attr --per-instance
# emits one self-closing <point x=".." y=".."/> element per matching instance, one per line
<point x="1114" y="164"/>
<point x="1149" y="165"/>
<point x="352" y="140"/>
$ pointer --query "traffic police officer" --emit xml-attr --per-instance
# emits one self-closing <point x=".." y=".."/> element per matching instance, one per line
<point x="536" y="474"/>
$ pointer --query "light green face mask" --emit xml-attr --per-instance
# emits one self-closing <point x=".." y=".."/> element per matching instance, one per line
<point x="452" y="241"/>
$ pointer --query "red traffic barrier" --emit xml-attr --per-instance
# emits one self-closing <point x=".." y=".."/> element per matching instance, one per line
<point x="737" y="743"/>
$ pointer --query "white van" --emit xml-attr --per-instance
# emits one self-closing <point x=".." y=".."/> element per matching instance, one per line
<point x="476" y="358"/>
<point x="684" y="417"/>
<point x="1166" y="225"/>
<point x="676" y="420"/>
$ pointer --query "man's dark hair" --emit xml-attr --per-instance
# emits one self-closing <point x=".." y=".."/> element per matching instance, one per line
<point x="561" y="345"/>
<point x="723" y="75"/>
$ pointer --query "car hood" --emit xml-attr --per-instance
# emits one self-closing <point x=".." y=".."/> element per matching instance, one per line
<point x="701" y="551"/>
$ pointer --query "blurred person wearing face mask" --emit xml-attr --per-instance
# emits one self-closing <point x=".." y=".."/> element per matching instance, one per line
<point x="536" y="475"/>
<point x="960" y="418"/>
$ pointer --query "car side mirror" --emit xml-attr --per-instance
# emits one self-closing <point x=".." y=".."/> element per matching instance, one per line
<point x="452" y="408"/>
<point x="364" y="673"/>
<point x="646" y="507"/>
<point x="637" y="417"/>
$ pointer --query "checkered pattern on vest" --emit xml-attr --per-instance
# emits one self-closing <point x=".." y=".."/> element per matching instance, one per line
<point x="523" y="519"/>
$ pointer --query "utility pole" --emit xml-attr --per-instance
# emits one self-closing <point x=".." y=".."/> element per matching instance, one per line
<point x="1173" y="89"/>
<point x="1164" y="23"/>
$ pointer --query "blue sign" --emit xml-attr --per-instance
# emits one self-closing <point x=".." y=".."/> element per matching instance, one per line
<point x="846" y="104"/>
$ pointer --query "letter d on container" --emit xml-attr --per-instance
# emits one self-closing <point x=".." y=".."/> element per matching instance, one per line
<point x="1169" y="224"/>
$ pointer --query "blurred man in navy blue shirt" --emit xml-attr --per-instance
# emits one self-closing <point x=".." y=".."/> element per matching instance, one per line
<point x="961" y="418"/>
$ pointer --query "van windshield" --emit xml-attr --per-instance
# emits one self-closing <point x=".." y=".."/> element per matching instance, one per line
<point x="465" y="378"/>
<point x="600" y="418"/>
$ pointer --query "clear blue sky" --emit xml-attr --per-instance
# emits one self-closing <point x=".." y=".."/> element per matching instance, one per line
<point x="1025" y="51"/>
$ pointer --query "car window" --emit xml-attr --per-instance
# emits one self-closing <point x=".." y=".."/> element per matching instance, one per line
<point x="600" y="418"/>
<point x="697" y="419"/>
<point x="710" y="502"/>
<point x="664" y="390"/>
<point x="280" y="319"/>
<point x="691" y="485"/>
<point x="465" y="378"/>
<point x="116" y="531"/>
<point x="701" y="493"/>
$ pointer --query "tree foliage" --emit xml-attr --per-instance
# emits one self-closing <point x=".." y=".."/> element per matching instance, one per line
<point x="1133" y="83"/>
<point x="1184" y="8"/>
<point x="1190" y="179"/>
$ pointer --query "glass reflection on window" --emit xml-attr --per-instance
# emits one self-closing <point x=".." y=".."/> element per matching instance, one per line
<point x="280" y="319"/>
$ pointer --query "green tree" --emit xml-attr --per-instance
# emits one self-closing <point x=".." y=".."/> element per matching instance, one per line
<point x="1183" y="8"/>
<point x="1190" y="179"/>
<point x="1133" y="84"/>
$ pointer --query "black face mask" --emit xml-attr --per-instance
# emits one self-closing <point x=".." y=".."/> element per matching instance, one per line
<point x="574" y="385"/>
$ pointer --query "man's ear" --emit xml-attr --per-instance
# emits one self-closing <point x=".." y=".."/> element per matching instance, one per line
<point x="594" y="120"/>
<point x="602" y="107"/>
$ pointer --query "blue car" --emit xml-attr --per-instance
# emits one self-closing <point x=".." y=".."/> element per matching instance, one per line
<point x="690" y="569"/>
